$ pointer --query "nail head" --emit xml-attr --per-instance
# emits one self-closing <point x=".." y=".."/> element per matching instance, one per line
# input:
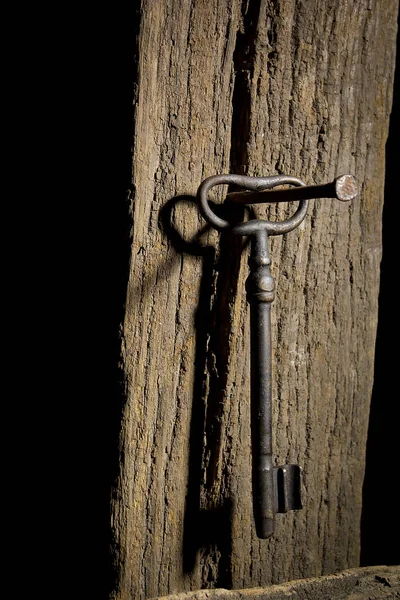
<point x="346" y="188"/>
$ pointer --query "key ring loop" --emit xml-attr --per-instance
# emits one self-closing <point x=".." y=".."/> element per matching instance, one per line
<point x="256" y="184"/>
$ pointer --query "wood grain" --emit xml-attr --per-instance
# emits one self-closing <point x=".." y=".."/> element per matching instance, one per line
<point x="258" y="87"/>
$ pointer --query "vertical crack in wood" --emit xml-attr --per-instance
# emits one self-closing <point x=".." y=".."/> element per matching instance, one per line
<point x="218" y="483"/>
<point x="243" y="62"/>
<point x="214" y="520"/>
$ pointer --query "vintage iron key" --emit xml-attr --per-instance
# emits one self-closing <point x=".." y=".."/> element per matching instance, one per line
<point x="276" y="489"/>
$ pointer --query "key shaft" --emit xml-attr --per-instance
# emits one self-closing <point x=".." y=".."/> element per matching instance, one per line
<point x="261" y="293"/>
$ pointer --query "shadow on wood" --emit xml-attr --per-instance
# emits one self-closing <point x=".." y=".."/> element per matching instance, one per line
<point x="207" y="525"/>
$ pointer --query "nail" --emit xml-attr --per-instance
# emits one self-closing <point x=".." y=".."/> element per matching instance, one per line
<point x="343" y="188"/>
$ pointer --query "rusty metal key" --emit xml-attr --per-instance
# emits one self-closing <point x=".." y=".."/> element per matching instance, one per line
<point x="276" y="489"/>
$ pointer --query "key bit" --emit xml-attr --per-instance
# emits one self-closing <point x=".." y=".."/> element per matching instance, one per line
<point x="287" y="480"/>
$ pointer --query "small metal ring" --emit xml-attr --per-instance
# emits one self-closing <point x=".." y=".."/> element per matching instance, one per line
<point x="256" y="184"/>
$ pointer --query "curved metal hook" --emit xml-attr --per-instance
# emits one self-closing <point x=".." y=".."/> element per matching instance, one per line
<point x="255" y="184"/>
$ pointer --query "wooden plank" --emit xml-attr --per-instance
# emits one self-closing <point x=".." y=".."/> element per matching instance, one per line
<point x="258" y="88"/>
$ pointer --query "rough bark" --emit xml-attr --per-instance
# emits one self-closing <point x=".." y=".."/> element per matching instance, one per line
<point x="256" y="87"/>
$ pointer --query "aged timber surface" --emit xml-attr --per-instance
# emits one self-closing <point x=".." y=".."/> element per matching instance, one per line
<point x="256" y="87"/>
<point x="370" y="583"/>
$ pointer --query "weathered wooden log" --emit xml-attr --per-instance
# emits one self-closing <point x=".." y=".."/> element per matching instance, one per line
<point x="255" y="87"/>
